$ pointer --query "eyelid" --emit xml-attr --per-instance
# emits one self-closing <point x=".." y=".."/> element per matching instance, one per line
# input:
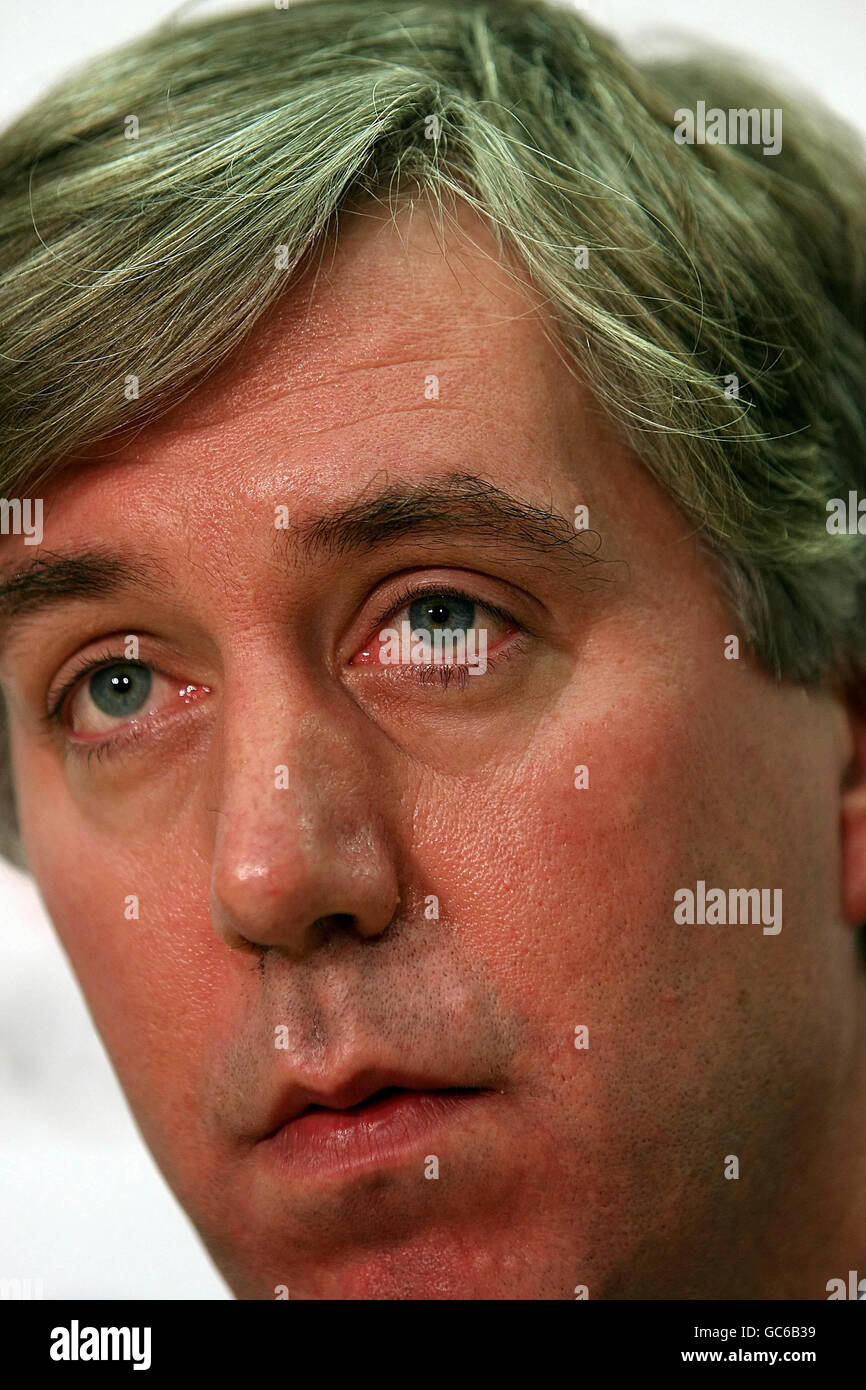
<point x="448" y="590"/>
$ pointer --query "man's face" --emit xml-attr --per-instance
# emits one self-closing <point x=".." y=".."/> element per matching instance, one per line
<point x="290" y="874"/>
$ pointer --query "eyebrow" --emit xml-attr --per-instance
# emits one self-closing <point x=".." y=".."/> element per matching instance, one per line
<point x="52" y="578"/>
<point x="460" y="503"/>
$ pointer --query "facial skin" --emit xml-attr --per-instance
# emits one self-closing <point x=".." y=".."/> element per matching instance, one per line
<point x="265" y="906"/>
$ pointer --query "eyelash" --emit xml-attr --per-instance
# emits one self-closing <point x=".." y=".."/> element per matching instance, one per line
<point x="112" y="743"/>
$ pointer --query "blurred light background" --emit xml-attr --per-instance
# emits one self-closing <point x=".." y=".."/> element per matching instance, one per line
<point x="82" y="1206"/>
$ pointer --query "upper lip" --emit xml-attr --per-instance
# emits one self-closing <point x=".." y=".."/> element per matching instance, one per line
<point x="353" y="1090"/>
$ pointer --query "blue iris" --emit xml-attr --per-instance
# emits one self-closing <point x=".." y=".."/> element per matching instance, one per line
<point x="120" y="689"/>
<point x="441" y="611"/>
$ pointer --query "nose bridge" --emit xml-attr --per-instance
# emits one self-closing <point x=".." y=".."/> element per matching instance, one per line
<point x="300" y="836"/>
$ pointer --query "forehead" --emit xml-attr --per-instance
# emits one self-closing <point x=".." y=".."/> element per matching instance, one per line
<point x="409" y="348"/>
<point x="382" y="303"/>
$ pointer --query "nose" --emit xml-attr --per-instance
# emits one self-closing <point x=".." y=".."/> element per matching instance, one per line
<point x="301" y="844"/>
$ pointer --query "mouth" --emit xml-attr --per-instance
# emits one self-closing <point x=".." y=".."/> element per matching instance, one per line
<point x="389" y="1124"/>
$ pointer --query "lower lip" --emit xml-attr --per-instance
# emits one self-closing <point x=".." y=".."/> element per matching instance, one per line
<point x="387" y="1130"/>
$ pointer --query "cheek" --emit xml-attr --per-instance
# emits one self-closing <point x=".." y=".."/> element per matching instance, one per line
<point x="132" y="917"/>
<point x="564" y="896"/>
<point x="566" y="893"/>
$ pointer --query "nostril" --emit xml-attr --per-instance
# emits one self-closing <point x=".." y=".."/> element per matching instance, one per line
<point x="336" y="922"/>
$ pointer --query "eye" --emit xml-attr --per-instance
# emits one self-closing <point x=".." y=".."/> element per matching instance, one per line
<point x="435" y="628"/>
<point x="110" y="695"/>
<point x="104" y="696"/>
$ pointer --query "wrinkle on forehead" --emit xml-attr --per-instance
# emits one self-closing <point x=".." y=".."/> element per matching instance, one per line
<point x="390" y="294"/>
